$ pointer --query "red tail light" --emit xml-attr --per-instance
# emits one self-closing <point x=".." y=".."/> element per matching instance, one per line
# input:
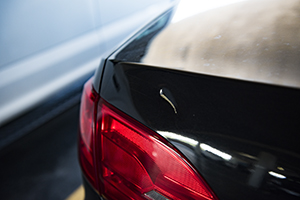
<point x="88" y="112"/>
<point x="134" y="162"/>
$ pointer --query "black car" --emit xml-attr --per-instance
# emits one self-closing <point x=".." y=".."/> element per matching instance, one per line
<point x="202" y="104"/>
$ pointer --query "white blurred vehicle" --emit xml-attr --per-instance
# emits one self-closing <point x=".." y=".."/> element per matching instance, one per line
<point x="49" y="48"/>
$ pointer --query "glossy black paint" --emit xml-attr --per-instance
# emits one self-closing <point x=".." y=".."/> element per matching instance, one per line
<point x="256" y="124"/>
<point x="242" y="136"/>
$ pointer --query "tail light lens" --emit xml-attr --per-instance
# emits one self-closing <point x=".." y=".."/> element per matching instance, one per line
<point x="87" y="129"/>
<point x="134" y="162"/>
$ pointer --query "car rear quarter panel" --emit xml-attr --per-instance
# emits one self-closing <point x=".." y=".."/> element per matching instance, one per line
<point x="236" y="121"/>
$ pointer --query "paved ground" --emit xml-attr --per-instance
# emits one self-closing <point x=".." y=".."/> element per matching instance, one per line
<point x="43" y="165"/>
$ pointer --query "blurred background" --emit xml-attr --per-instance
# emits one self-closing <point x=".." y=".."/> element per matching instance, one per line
<point x="48" y="49"/>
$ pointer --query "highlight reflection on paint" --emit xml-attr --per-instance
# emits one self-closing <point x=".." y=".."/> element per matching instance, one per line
<point x="189" y="8"/>
<point x="212" y="150"/>
<point x="179" y="138"/>
<point x="280" y="176"/>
